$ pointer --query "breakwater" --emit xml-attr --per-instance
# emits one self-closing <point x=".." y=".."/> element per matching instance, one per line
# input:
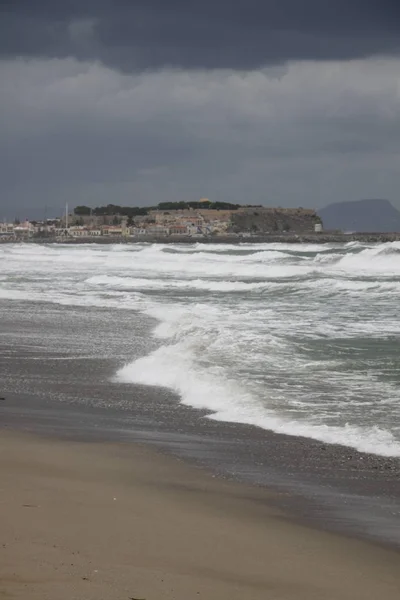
<point x="284" y="238"/>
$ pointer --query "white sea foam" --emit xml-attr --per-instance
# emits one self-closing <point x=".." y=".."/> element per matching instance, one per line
<point x="228" y="400"/>
<point x="299" y="339"/>
<point x="121" y="301"/>
<point x="195" y="284"/>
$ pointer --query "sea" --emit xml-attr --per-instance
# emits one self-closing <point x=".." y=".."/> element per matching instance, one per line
<point x="302" y="340"/>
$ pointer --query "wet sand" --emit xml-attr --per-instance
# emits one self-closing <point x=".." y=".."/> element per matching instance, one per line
<point x="117" y="521"/>
<point x="300" y="526"/>
<point x="57" y="380"/>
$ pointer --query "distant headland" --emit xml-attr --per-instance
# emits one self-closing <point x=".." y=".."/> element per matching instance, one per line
<point x="201" y="220"/>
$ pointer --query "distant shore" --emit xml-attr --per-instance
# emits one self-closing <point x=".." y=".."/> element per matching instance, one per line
<point x="285" y="238"/>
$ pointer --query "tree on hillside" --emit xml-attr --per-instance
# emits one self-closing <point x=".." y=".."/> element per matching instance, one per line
<point x="82" y="210"/>
<point x="125" y="211"/>
<point x="173" y="206"/>
<point x="224" y="206"/>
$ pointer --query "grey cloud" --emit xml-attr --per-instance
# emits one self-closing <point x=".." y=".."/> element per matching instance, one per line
<point x="84" y="133"/>
<point x="150" y="34"/>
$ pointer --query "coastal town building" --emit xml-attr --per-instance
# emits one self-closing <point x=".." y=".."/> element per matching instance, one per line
<point x="7" y="227"/>
<point x="157" y="230"/>
<point x="24" y="230"/>
<point x="113" y="230"/>
<point x="7" y="231"/>
<point x="78" y="231"/>
<point x="178" y="229"/>
<point x="134" y="231"/>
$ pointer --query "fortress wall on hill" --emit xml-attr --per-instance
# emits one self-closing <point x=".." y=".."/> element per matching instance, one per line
<point x="274" y="220"/>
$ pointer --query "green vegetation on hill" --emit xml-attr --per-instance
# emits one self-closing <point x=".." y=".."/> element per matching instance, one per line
<point x="133" y="211"/>
<point x="111" y="209"/>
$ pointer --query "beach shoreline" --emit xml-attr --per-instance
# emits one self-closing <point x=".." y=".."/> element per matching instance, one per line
<point x="118" y="520"/>
<point x="76" y="398"/>
<point x="120" y="381"/>
<point x="322" y="486"/>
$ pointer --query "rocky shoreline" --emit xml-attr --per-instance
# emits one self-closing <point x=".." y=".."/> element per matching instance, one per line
<point x="290" y="238"/>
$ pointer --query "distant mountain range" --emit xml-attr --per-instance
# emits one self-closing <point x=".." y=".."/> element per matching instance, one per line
<point x="361" y="216"/>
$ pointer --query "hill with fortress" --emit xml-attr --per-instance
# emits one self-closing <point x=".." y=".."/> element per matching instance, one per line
<point x="198" y="218"/>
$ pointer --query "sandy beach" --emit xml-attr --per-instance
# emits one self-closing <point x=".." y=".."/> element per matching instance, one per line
<point x="118" y="521"/>
<point x="113" y="490"/>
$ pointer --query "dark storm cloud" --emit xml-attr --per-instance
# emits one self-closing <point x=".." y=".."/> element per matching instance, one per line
<point x="240" y="34"/>
<point x="82" y="133"/>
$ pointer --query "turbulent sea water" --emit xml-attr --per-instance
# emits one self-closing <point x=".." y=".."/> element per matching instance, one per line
<point x="298" y="339"/>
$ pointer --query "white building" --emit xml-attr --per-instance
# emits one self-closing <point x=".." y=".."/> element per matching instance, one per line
<point x="24" y="230"/>
<point x="137" y="231"/>
<point x="77" y="231"/>
<point x="7" y="231"/>
<point x="157" y="230"/>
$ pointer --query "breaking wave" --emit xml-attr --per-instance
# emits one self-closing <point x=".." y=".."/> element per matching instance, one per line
<point x="298" y="339"/>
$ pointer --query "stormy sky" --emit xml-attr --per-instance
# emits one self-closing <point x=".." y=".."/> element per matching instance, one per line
<point x="278" y="102"/>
